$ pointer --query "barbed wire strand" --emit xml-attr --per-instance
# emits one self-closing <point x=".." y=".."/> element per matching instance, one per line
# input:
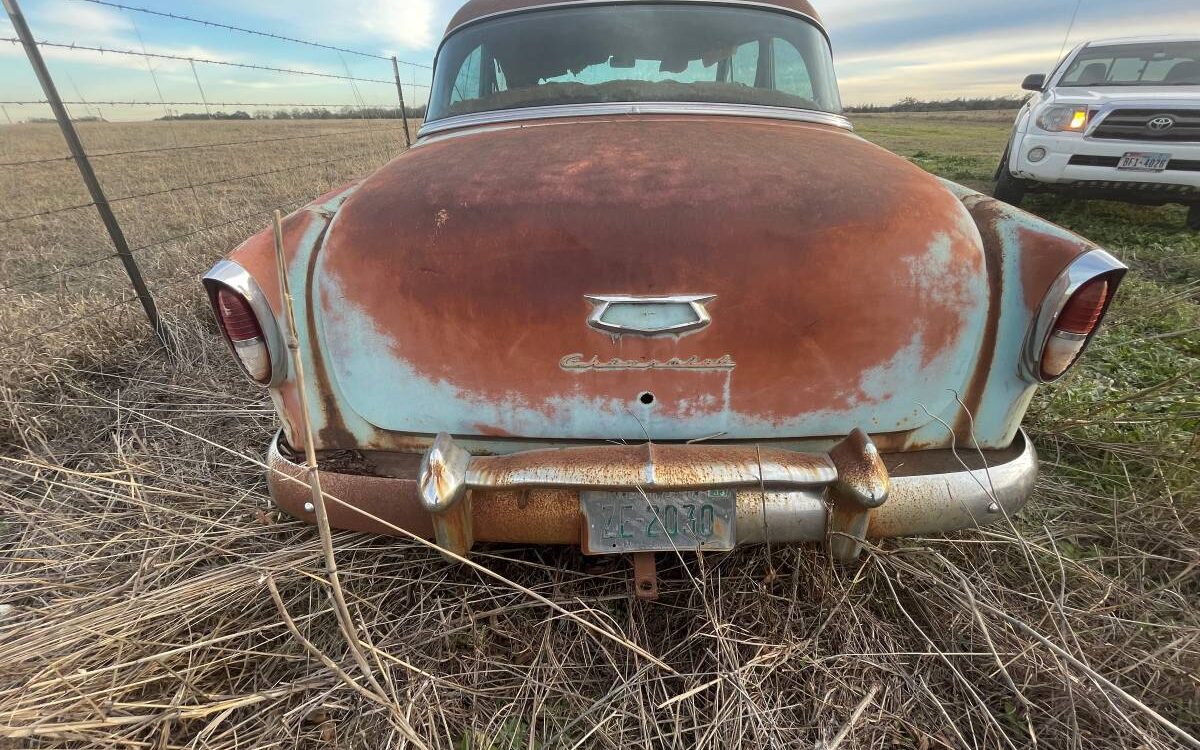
<point x="192" y="146"/>
<point x="46" y="212"/>
<point x="236" y="178"/>
<point x="287" y="206"/>
<point x="172" y="128"/>
<point x="204" y="60"/>
<point x="229" y="27"/>
<point x="93" y="314"/>
<point x="239" y="178"/>
<point x="56" y="272"/>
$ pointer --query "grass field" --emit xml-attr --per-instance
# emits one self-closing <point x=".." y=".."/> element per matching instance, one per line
<point x="139" y="542"/>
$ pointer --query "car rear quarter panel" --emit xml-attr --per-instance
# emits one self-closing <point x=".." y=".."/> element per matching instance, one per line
<point x="1026" y="254"/>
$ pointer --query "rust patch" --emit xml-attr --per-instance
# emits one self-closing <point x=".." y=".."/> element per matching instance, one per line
<point x="652" y="466"/>
<point x="549" y="516"/>
<point x="1043" y="257"/>
<point x="805" y="316"/>
<point x="987" y="218"/>
<point x="334" y="432"/>
<point x="645" y="576"/>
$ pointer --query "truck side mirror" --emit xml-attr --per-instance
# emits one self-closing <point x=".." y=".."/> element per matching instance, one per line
<point x="1034" y="82"/>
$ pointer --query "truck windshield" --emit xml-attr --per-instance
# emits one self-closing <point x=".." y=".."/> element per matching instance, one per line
<point x="634" y="53"/>
<point x="1141" y="64"/>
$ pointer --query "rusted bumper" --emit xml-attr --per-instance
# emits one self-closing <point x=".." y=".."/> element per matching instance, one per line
<point x="841" y="497"/>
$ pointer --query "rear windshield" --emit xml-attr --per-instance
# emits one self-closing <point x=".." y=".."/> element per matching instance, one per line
<point x="1143" y="64"/>
<point x="634" y="53"/>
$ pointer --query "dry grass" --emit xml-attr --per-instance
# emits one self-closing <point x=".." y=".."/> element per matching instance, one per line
<point x="140" y="547"/>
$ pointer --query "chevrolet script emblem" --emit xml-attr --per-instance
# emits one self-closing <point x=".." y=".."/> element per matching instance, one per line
<point x="649" y="316"/>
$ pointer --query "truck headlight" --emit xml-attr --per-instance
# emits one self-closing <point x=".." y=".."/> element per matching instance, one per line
<point x="1063" y="119"/>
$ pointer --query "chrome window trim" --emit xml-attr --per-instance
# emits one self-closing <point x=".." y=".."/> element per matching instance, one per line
<point x="1083" y="269"/>
<point x="231" y="274"/>
<point x="612" y="109"/>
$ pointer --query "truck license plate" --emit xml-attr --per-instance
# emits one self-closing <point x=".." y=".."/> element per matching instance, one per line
<point x="1140" y="161"/>
<point x="630" y="521"/>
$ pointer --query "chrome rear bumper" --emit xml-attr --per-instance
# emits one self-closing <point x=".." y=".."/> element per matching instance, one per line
<point x="842" y="497"/>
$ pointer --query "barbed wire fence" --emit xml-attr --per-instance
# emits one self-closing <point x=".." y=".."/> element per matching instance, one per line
<point x="98" y="216"/>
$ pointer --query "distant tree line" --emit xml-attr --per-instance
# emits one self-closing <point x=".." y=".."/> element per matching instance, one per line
<point x="84" y="118"/>
<point x="911" y="104"/>
<point x="309" y="113"/>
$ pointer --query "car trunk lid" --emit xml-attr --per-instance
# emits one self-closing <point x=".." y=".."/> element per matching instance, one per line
<point x="845" y="287"/>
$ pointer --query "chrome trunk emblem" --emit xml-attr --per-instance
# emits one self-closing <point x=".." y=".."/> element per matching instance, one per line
<point x="672" y="315"/>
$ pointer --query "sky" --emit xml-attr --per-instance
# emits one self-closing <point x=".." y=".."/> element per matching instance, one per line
<point x="884" y="50"/>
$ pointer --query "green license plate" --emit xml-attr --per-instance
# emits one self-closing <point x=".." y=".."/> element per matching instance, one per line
<point x="630" y="521"/>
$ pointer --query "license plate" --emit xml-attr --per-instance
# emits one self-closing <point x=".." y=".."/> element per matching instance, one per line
<point x="630" y="521"/>
<point x="1139" y="161"/>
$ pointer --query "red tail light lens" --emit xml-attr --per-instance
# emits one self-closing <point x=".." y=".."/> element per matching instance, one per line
<point x="1074" y="326"/>
<point x="1082" y="312"/>
<point x="242" y="329"/>
<point x="236" y="317"/>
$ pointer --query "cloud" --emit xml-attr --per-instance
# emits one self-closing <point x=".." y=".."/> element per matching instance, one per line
<point x="92" y="20"/>
<point x="407" y="25"/>
<point x="983" y="58"/>
<point x="369" y="25"/>
<point x="94" y="58"/>
<point x="95" y="26"/>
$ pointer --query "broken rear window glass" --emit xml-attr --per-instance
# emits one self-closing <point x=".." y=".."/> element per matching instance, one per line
<point x="635" y="53"/>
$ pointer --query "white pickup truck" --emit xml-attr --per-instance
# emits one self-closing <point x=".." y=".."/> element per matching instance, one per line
<point x="1118" y="120"/>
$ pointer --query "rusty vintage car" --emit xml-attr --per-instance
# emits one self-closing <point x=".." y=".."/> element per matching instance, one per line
<point x="638" y="286"/>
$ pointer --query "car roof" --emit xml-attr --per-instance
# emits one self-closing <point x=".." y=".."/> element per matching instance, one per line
<point x="474" y="10"/>
<point x="1141" y="40"/>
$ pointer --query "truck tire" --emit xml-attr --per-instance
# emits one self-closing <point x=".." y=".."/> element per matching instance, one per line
<point x="1193" y="219"/>
<point x="1008" y="188"/>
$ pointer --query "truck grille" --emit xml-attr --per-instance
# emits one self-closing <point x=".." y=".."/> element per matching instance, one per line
<point x="1135" y="125"/>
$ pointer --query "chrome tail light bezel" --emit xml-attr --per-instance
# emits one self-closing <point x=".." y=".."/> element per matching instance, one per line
<point x="1089" y="266"/>
<point x="229" y="275"/>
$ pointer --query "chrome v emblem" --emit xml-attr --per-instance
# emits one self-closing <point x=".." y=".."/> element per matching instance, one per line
<point x="672" y="315"/>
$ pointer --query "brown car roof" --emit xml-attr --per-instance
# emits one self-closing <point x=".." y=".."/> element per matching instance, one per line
<point x="475" y="9"/>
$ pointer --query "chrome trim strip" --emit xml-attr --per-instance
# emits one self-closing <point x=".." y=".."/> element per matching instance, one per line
<point x="601" y="303"/>
<point x="632" y="108"/>
<point x="231" y="274"/>
<point x="579" y="3"/>
<point x="1082" y="270"/>
<point x="648" y="466"/>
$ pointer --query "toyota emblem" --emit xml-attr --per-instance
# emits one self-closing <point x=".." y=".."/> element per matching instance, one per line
<point x="1161" y="123"/>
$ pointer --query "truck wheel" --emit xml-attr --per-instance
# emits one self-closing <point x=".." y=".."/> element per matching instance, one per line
<point x="1193" y="219"/>
<point x="1008" y="188"/>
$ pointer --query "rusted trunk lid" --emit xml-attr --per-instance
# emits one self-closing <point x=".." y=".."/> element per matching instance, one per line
<point x="848" y="287"/>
